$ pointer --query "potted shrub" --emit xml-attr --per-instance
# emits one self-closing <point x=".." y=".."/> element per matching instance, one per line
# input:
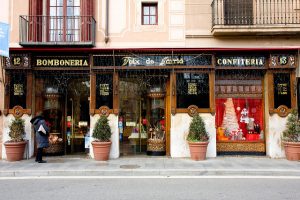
<point x="197" y="138"/>
<point x="291" y="137"/>
<point x="15" y="147"/>
<point x="101" y="134"/>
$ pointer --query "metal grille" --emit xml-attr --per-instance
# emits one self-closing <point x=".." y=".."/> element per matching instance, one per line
<point x="255" y="12"/>
<point x="57" y="30"/>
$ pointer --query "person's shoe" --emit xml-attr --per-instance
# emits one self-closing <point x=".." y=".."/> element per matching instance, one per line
<point x="42" y="161"/>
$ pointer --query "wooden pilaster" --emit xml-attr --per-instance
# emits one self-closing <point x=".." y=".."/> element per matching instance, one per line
<point x="93" y="93"/>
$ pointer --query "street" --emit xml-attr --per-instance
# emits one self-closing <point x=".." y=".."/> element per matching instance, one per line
<point x="50" y="188"/>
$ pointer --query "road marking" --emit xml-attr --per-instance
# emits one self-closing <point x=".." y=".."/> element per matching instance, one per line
<point x="149" y="177"/>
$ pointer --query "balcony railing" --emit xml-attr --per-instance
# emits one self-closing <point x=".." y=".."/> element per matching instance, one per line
<point x="256" y="14"/>
<point x="57" y="30"/>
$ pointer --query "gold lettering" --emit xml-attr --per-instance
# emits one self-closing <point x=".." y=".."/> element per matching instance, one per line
<point x="229" y="61"/>
<point x="85" y="63"/>
<point x="181" y="61"/>
<point x="17" y="61"/>
<point x="58" y="62"/>
<point x="50" y="62"/>
<point x="242" y="62"/>
<point x="219" y="61"/>
<point x="247" y="61"/>
<point x="235" y="61"/>
<point x="38" y="62"/>
<point x="125" y="61"/>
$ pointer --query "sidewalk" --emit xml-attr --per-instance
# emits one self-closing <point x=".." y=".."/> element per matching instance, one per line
<point x="151" y="166"/>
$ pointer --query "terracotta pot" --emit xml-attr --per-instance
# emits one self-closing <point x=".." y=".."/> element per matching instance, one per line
<point x="14" y="150"/>
<point x="292" y="150"/>
<point x="198" y="150"/>
<point x="101" y="150"/>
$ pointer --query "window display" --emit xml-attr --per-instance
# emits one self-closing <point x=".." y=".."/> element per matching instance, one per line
<point x="104" y="93"/>
<point x="18" y="89"/>
<point x="282" y="90"/>
<point x="239" y="119"/>
<point x="192" y="89"/>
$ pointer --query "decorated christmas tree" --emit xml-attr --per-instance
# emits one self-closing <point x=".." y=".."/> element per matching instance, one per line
<point x="230" y="121"/>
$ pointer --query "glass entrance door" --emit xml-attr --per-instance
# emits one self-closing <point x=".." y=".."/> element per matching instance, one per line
<point x="77" y="114"/>
<point x="133" y="116"/>
<point x="64" y="100"/>
<point x="142" y="114"/>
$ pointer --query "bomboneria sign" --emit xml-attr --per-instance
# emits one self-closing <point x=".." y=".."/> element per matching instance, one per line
<point x="61" y="62"/>
<point x="4" y="39"/>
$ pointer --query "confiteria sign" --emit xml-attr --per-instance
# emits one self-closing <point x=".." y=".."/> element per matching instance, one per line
<point x="62" y="62"/>
<point x="241" y="61"/>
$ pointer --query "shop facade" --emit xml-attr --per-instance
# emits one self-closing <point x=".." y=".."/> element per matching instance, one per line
<point x="150" y="97"/>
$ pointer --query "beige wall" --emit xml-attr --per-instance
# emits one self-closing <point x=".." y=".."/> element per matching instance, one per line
<point x="182" y="24"/>
<point x="126" y="31"/>
<point x="4" y="17"/>
<point x="16" y="8"/>
<point x="4" y="14"/>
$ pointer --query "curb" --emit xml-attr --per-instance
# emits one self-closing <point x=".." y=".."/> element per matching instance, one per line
<point x="141" y="172"/>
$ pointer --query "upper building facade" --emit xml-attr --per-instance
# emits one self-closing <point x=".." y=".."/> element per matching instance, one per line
<point x="151" y="65"/>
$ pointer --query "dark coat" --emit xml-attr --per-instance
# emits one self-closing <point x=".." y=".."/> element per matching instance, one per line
<point x="41" y="138"/>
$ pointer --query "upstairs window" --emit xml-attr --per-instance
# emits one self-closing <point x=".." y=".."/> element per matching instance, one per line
<point x="64" y="20"/>
<point x="149" y="14"/>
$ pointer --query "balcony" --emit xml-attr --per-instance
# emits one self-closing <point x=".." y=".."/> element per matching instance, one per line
<point x="57" y="31"/>
<point x="255" y="17"/>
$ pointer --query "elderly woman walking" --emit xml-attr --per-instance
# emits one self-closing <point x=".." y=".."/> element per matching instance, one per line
<point x="42" y="133"/>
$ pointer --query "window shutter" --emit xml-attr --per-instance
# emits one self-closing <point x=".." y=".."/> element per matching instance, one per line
<point x="86" y="14"/>
<point x="35" y="20"/>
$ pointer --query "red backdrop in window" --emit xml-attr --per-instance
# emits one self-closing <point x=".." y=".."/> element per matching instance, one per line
<point x="254" y="107"/>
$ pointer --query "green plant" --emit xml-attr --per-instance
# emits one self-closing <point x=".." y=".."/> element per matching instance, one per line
<point x="16" y="130"/>
<point x="292" y="131"/>
<point x="197" y="131"/>
<point x="102" y="131"/>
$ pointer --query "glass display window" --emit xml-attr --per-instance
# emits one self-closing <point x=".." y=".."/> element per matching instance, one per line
<point x="282" y="90"/>
<point x="239" y="119"/>
<point x="192" y="89"/>
<point x="104" y="90"/>
<point x="18" y="88"/>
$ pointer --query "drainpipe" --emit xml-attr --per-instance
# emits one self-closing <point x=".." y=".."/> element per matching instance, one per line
<point x="107" y="20"/>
